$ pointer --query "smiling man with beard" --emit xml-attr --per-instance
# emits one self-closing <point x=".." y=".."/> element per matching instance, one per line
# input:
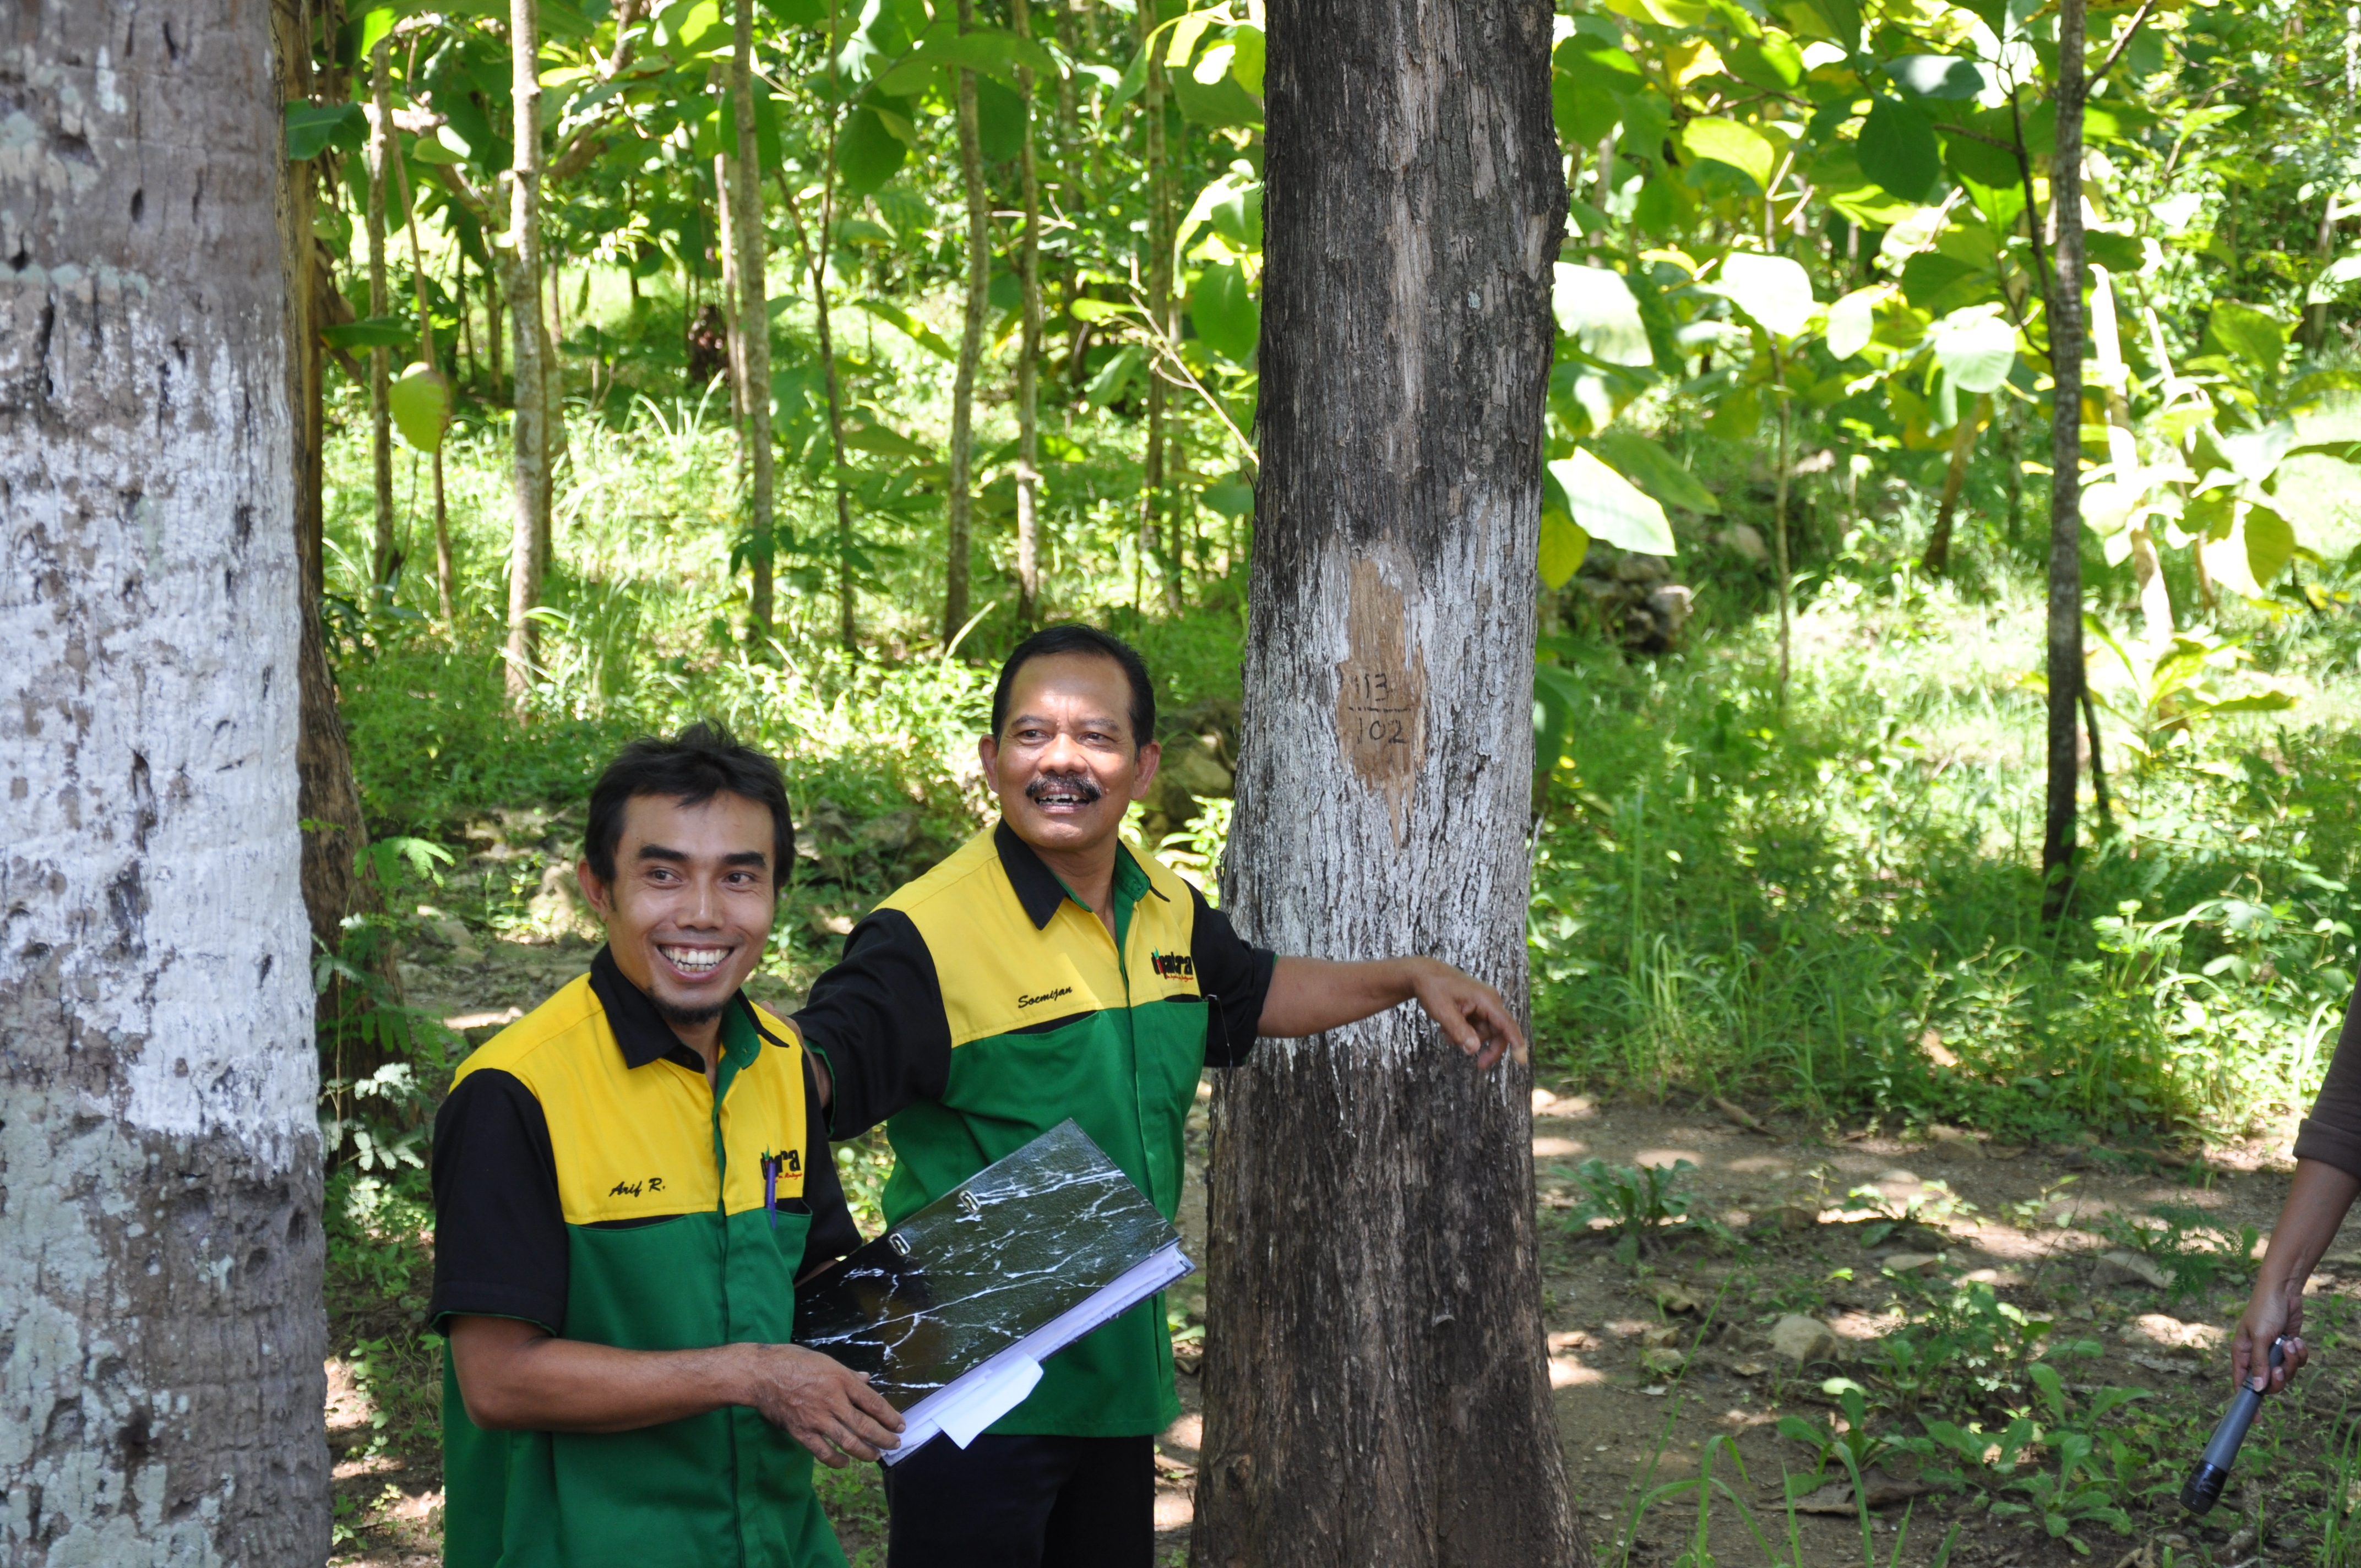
<point x="1047" y="970"/>
<point x="628" y="1182"/>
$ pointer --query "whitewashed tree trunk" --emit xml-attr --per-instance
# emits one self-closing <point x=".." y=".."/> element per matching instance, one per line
<point x="1376" y="1380"/>
<point x="160" y="1326"/>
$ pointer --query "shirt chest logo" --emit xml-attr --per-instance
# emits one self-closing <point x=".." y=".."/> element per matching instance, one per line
<point x="1173" y="966"/>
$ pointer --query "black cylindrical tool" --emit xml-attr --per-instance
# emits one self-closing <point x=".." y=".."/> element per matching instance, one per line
<point x="2204" y="1488"/>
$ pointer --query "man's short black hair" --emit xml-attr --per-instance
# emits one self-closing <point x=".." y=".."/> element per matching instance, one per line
<point x="701" y="761"/>
<point x="1073" y="638"/>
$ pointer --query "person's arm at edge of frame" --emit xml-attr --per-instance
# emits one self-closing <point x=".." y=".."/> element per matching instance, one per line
<point x="516" y="1376"/>
<point x="2327" y="1176"/>
<point x="2315" y="1206"/>
<point x="1308" y="996"/>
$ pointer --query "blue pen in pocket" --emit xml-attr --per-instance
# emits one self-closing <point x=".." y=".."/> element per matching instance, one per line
<point x="771" y="1188"/>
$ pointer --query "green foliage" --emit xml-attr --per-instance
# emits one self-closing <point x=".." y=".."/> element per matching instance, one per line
<point x="1829" y="904"/>
<point x="1644" y="1204"/>
<point x="2197" y="1256"/>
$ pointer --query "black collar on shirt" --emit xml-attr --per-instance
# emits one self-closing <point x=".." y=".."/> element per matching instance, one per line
<point x="1037" y="887"/>
<point x="640" y="1030"/>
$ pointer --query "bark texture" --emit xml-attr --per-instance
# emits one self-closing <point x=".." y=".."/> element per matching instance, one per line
<point x="2064" y="319"/>
<point x="159" y="1242"/>
<point x="1375" y="1379"/>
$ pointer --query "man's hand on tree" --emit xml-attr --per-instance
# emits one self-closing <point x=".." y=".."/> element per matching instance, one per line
<point x="824" y="1405"/>
<point x="1473" y="1016"/>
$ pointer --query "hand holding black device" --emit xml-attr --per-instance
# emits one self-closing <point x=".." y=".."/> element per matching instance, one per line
<point x="2204" y="1488"/>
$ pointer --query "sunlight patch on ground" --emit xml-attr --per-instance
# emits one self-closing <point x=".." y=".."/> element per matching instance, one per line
<point x="1664" y="1159"/>
<point x="2159" y="1327"/>
<point x="1565" y="1365"/>
<point x="1547" y="1147"/>
<point x="1571" y="1107"/>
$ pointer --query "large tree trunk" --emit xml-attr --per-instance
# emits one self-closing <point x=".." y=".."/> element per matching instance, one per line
<point x="519" y="255"/>
<point x="1375" y="1383"/>
<point x="2065" y="323"/>
<point x="1028" y="358"/>
<point x="961" y="509"/>
<point x="753" y="318"/>
<point x="160" y="1243"/>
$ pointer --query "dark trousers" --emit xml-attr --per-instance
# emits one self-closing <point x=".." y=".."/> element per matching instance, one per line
<point x="1024" y="1502"/>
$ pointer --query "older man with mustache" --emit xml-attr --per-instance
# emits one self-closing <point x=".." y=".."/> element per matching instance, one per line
<point x="1047" y="970"/>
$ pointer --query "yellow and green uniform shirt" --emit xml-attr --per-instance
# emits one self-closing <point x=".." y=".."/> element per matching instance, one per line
<point x="589" y="1179"/>
<point x="982" y="1004"/>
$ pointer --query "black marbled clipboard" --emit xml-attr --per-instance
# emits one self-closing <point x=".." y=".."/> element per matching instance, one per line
<point x="1019" y="1246"/>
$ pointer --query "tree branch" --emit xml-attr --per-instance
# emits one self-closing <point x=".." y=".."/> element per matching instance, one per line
<point x="478" y="204"/>
<point x="2138" y="18"/>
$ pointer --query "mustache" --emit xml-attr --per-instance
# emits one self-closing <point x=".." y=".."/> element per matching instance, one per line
<point x="1064" y="783"/>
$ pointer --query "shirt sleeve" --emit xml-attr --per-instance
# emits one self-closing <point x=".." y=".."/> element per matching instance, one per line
<point x="877" y="1020"/>
<point x="1235" y="976"/>
<point x="499" y="1231"/>
<point x="832" y="1233"/>
<point x="2332" y="1134"/>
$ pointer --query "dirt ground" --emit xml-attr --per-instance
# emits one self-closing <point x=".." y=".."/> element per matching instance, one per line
<point x="2018" y="1219"/>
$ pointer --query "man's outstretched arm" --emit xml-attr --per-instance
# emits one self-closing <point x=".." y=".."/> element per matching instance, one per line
<point x="517" y="1376"/>
<point x="1308" y="996"/>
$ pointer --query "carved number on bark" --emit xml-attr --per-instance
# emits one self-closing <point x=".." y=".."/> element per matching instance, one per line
<point x="1381" y="695"/>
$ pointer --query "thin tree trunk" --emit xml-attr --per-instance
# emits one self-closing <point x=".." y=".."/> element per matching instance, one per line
<point x="553" y="422"/>
<point x="2122" y="458"/>
<point x="446" y="576"/>
<point x="493" y="332"/>
<point x="1937" y="561"/>
<point x="161" y="1250"/>
<point x="519" y="257"/>
<point x="2316" y="321"/>
<point x="1152" y="543"/>
<point x="1376" y="1382"/>
<point x="2098" y="765"/>
<point x="467" y="360"/>
<point x="2012" y="452"/>
<point x="327" y="796"/>
<point x="754" y="320"/>
<point x="1779" y="526"/>
<point x="380" y="153"/>
<point x="2064" y="652"/>
<point x="962" y="506"/>
<point x="1028" y="358"/>
<point x="725" y="205"/>
<point x="815" y="260"/>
